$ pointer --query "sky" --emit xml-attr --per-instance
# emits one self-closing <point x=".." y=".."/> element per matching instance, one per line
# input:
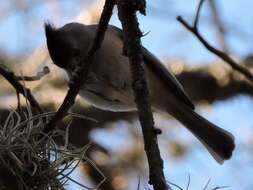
<point x="166" y="31"/>
<point x="166" y="36"/>
<point x="167" y="39"/>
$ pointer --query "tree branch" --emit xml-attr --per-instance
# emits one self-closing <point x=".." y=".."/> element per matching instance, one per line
<point x="196" y="20"/>
<point x="132" y="48"/>
<point x="38" y="76"/>
<point x="222" y="55"/>
<point x="221" y="30"/>
<point x="202" y="85"/>
<point x="13" y="80"/>
<point x="81" y="72"/>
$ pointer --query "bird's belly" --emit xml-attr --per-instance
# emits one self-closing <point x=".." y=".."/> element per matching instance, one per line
<point x="108" y="98"/>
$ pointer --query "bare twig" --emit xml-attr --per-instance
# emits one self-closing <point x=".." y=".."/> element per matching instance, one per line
<point x="208" y="182"/>
<point x="196" y="21"/>
<point x="132" y="48"/>
<point x="82" y="70"/>
<point x="189" y="182"/>
<point x="221" y="31"/>
<point x="18" y="99"/>
<point x="175" y="185"/>
<point x="221" y="187"/>
<point x="139" y="183"/>
<point x="38" y="76"/>
<point x="13" y="80"/>
<point x="222" y="55"/>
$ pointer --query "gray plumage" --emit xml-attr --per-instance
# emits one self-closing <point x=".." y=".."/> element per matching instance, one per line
<point x="109" y="82"/>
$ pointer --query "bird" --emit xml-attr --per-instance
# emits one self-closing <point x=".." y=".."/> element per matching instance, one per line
<point x="109" y="82"/>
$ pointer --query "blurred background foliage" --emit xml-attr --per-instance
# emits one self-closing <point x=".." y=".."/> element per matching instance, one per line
<point x="221" y="95"/>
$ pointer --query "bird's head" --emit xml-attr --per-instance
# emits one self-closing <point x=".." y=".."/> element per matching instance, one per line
<point x="67" y="45"/>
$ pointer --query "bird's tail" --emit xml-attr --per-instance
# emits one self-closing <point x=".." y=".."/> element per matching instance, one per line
<point x="219" y="143"/>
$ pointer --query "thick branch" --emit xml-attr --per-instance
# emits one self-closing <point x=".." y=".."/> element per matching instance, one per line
<point x="82" y="71"/>
<point x="222" y="55"/>
<point x="132" y="48"/>
<point x="202" y="85"/>
<point x="13" y="80"/>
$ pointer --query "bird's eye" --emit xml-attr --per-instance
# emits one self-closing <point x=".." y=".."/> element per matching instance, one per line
<point x="76" y="52"/>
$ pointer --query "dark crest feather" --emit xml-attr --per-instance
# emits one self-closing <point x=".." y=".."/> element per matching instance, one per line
<point x="50" y="30"/>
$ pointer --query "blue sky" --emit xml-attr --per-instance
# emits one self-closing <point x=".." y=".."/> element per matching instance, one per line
<point x="166" y="36"/>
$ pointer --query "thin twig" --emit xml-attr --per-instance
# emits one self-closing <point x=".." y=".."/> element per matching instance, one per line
<point x="175" y="185"/>
<point x="221" y="54"/>
<point x="196" y="20"/>
<point x="208" y="182"/>
<point x="18" y="99"/>
<point x="81" y="72"/>
<point x="189" y="182"/>
<point x="221" y="30"/>
<point x="132" y="48"/>
<point x="139" y="183"/>
<point x="38" y="76"/>
<point x="221" y="187"/>
<point x="13" y="80"/>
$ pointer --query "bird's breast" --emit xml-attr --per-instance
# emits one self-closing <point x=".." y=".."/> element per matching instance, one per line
<point x="104" y="93"/>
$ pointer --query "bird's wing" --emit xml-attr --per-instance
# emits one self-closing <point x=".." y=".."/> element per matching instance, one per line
<point x="169" y="79"/>
<point x="161" y="71"/>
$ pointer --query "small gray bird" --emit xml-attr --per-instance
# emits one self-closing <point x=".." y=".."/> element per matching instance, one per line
<point x="109" y="82"/>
